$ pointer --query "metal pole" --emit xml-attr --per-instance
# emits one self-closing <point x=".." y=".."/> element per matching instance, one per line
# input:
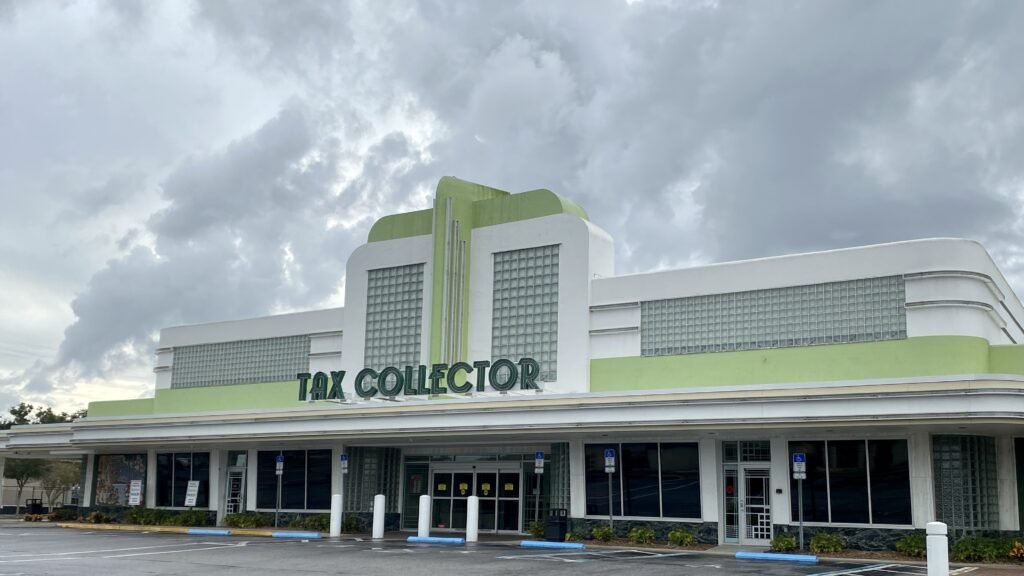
<point x="800" y="509"/>
<point x="536" y="501"/>
<point x="277" y="510"/>
<point x="610" y="507"/>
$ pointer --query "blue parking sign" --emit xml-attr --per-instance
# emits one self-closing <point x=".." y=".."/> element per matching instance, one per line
<point x="609" y="452"/>
<point x="799" y="457"/>
<point x="279" y="459"/>
<point x="344" y="457"/>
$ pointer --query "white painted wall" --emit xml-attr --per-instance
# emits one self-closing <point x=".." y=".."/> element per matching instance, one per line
<point x="585" y="251"/>
<point x="372" y="256"/>
<point x="922" y="492"/>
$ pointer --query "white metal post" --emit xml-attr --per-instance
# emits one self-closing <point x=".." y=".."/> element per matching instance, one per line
<point x="335" y="515"/>
<point x="472" y="518"/>
<point x="378" y="516"/>
<point x="938" y="549"/>
<point x="423" y="529"/>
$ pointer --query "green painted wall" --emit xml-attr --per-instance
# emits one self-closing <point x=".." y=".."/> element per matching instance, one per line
<point x="111" y="408"/>
<point x="1006" y="359"/>
<point x="404" y="225"/>
<point x="925" y="356"/>
<point x="523" y="206"/>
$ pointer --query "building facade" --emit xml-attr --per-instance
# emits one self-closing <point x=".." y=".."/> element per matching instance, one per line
<point x="492" y="327"/>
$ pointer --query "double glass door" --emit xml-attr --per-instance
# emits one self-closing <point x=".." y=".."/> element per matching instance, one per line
<point x="498" y="490"/>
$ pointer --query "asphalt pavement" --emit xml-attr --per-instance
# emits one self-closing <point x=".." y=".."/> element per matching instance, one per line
<point x="37" y="550"/>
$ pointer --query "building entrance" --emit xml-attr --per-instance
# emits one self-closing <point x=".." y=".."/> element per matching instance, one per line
<point x="499" y="490"/>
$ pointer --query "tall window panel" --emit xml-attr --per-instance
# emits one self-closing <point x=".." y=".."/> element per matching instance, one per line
<point x="651" y="480"/>
<point x="525" y="307"/>
<point x="854" y="482"/>
<point x="173" y="473"/>
<point x="865" y="310"/>
<point x="114" y="474"/>
<point x="394" y="316"/>
<point x="240" y="362"/>
<point x="305" y="482"/>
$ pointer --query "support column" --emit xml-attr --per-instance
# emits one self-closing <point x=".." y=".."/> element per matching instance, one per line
<point x="922" y="485"/>
<point x="1006" y="472"/>
<point x="216" y="482"/>
<point x="781" y="474"/>
<point x="577" y="480"/>
<point x="149" y="498"/>
<point x="90" y="472"/>
<point x="3" y="462"/>
<point x="250" y="480"/>
<point x="709" y="480"/>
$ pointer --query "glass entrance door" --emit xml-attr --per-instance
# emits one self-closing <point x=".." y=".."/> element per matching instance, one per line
<point x="755" y="506"/>
<point x="498" y="490"/>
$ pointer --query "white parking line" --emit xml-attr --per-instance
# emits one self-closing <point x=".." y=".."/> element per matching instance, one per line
<point x="208" y="547"/>
<point x="37" y="554"/>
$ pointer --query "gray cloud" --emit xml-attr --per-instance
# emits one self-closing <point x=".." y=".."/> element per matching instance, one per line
<point x="692" y="132"/>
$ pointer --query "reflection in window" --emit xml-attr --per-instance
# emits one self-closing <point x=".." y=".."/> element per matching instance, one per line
<point x="114" y="474"/>
<point x="305" y="482"/>
<point x="173" y="473"/>
<point x="651" y="480"/>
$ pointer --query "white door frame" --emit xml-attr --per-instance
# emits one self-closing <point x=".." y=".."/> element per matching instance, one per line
<point x="766" y="508"/>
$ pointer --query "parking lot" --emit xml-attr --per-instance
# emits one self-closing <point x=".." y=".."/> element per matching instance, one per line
<point x="51" y="550"/>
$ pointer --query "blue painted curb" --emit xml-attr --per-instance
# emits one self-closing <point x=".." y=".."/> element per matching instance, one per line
<point x="804" y="558"/>
<point x="545" y="544"/>
<point x="209" y="532"/>
<point x="434" y="540"/>
<point x="295" y="534"/>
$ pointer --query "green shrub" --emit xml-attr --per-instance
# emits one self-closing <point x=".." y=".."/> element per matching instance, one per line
<point x="602" y="533"/>
<point x="148" y="516"/>
<point x="316" y="523"/>
<point x="981" y="549"/>
<point x="99" y="518"/>
<point x="641" y="535"/>
<point x="536" y="529"/>
<point x="784" y="543"/>
<point x="247" y="520"/>
<point x="190" y="518"/>
<point x="914" y="545"/>
<point x="350" y="524"/>
<point x="681" y="538"/>
<point x="573" y="536"/>
<point x="64" y="515"/>
<point x="825" y="543"/>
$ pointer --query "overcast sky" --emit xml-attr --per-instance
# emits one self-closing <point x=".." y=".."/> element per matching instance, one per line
<point x="168" y="162"/>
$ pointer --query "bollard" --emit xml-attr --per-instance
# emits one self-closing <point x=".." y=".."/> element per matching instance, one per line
<point x="423" y="529"/>
<point x="472" y="518"/>
<point x="378" y="516"/>
<point x="335" y="515"/>
<point x="938" y="549"/>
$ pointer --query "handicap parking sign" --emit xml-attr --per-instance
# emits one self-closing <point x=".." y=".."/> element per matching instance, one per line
<point x="799" y="457"/>
<point x="279" y="459"/>
<point x="609" y="452"/>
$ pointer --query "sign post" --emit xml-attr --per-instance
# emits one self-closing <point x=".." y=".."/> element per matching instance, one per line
<point x="800" y="474"/>
<point x="538" y="469"/>
<point x="278" y="470"/>
<point x="609" y="468"/>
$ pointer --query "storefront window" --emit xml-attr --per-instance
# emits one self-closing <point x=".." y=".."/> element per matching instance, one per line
<point x="839" y="473"/>
<point x="651" y="480"/>
<point x="305" y="482"/>
<point x="114" y="474"/>
<point x="173" y="473"/>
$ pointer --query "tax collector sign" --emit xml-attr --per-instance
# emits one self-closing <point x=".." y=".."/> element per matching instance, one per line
<point x="460" y="378"/>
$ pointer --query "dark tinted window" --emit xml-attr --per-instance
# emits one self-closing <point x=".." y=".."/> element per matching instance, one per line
<point x="318" y="475"/>
<point x="164" y="478"/>
<point x="848" y="481"/>
<point x="640" y="479"/>
<point x="597" y="480"/>
<point x="816" y="484"/>
<point x="680" y="480"/>
<point x="890" y="481"/>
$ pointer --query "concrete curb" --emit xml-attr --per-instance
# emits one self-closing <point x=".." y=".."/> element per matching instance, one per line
<point x="776" y="557"/>
<point x="552" y="545"/>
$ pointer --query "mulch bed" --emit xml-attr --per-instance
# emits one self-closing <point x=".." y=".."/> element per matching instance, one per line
<point x="622" y="543"/>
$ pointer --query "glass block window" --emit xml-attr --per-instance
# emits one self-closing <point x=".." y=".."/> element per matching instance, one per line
<point x="966" y="491"/>
<point x="394" y="315"/>
<point x="863" y="310"/>
<point x="241" y="362"/>
<point x="525" y="321"/>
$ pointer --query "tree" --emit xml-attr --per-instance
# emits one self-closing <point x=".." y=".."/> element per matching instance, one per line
<point x="23" y="472"/>
<point x="59" y="477"/>
<point x="22" y="414"/>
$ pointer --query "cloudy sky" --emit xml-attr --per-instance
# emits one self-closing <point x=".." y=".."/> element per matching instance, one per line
<point x="173" y="162"/>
